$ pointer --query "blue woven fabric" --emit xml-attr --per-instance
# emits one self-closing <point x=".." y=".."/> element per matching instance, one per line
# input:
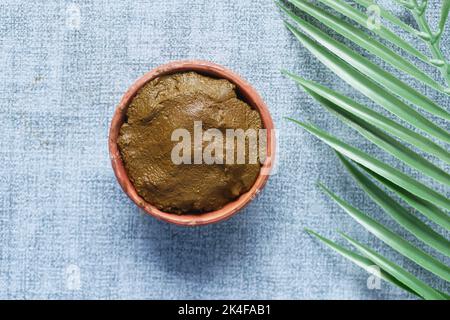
<point x="66" y="228"/>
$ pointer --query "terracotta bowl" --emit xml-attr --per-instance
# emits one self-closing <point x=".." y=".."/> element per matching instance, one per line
<point x="246" y="93"/>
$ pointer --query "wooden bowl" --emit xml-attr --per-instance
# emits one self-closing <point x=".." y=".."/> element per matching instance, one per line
<point x="245" y="91"/>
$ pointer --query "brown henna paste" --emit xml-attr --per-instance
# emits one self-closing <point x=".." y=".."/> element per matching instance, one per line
<point x="171" y="102"/>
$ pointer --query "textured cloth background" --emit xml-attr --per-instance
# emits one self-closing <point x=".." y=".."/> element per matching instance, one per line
<point x="66" y="228"/>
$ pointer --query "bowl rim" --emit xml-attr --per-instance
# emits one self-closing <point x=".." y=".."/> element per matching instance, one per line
<point x="250" y="96"/>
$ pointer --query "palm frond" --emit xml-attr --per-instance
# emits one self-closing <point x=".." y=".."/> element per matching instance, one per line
<point x="432" y="39"/>
<point x="425" y="32"/>
<point x="369" y="88"/>
<point x="360" y="38"/>
<point x="383" y="32"/>
<point x="369" y="69"/>
<point x="385" y="89"/>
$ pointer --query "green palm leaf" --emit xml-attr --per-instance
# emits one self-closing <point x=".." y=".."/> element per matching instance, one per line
<point x="432" y="40"/>
<point x="388" y="91"/>
<point x="399" y="273"/>
<point x="384" y="141"/>
<point x="370" y="69"/>
<point x="370" y="88"/>
<point x="360" y="38"/>
<point x="375" y="118"/>
<point x="397" y="212"/>
<point x="379" y="167"/>
<point x="388" y="16"/>
<point x="418" y="11"/>
<point x="426" y="208"/>
<point x="392" y="239"/>
<point x="360" y="261"/>
<point x="444" y="15"/>
<point x="387" y="143"/>
<point x="382" y="31"/>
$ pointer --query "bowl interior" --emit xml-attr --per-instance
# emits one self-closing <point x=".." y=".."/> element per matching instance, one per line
<point x="244" y="91"/>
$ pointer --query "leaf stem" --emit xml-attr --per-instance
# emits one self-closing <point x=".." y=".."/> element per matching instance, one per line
<point x="431" y="39"/>
<point x="406" y="3"/>
<point x="445" y="10"/>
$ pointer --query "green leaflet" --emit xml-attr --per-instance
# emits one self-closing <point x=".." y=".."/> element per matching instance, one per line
<point x="406" y="3"/>
<point x="393" y="240"/>
<point x="361" y="261"/>
<point x="360" y="38"/>
<point x="379" y="167"/>
<point x="374" y="118"/>
<point x="384" y="141"/>
<point x="444" y="15"/>
<point x="388" y="16"/>
<point x="370" y="88"/>
<point x="397" y="212"/>
<point x="387" y="143"/>
<point x="431" y="39"/>
<point x="399" y="273"/>
<point x="371" y="70"/>
<point x="426" y="208"/>
<point x="383" y="32"/>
